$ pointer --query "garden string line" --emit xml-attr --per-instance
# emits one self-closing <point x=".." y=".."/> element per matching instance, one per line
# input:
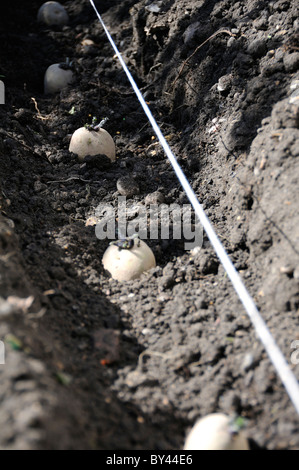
<point x="276" y="356"/>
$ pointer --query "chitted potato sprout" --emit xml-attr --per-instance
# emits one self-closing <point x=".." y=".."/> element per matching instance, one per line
<point x="92" y="139"/>
<point x="58" y="76"/>
<point x="217" y="431"/>
<point x="127" y="259"/>
<point x="52" y="14"/>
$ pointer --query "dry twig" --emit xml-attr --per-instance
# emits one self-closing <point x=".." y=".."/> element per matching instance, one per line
<point x="39" y="115"/>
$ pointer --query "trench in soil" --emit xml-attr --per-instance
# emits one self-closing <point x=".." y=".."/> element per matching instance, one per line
<point x="137" y="362"/>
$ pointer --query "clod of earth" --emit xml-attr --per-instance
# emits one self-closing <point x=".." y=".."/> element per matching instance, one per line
<point x="52" y="14"/>
<point x="125" y="264"/>
<point x="92" y="142"/>
<point x="86" y="46"/>
<point x="127" y="186"/>
<point x="216" y="431"/>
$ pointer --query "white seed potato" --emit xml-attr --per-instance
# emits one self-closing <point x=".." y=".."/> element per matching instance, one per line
<point x="53" y="14"/>
<point x="92" y="142"/>
<point x="57" y="78"/>
<point x="213" y="432"/>
<point x="125" y="265"/>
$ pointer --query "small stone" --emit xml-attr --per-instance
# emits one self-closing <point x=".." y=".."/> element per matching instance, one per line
<point x="296" y="273"/>
<point x="194" y="252"/>
<point x="294" y="98"/>
<point x="248" y="362"/>
<point x="153" y="8"/>
<point x="231" y="41"/>
<point x="224" y="83"/>
<point x="127" y="186"/>
<point x="288" y="269"/>
<point x="154" y="198"/>
<point x="86" y="47"/>
<point x="294" y="84"/>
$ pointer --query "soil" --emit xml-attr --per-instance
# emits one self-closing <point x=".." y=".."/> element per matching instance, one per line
<point x="92" y="363"/>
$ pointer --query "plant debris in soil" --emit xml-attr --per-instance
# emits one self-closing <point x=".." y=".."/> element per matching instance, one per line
<point x="91" y="363"/>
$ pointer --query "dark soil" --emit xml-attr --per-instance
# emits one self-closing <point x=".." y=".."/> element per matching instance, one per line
<point x="97" y="364"/>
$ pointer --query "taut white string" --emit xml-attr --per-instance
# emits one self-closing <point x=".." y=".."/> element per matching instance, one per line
<point x="278" y="360"/>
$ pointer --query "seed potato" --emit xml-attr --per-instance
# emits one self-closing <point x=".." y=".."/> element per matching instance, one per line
<point x="52" y="14"/>
<point x="214" y="432"/>
<point x="128" y="264"/>
<point x="57" y="78"/>
<point x="92" y="142"/>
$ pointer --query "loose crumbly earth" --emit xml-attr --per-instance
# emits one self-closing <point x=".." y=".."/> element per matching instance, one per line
<point x="95" y="364"/>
